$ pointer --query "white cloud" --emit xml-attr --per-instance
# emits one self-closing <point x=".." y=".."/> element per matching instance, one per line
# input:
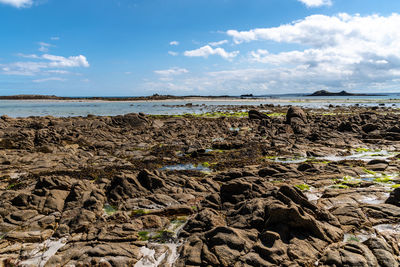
<point x="174" y="43"/>
<point x="28" y="56"/>
<point x="73" y="61"/>
<point x="44" y="47"/>
<point x="49" y="79"/>
<point x="218" y="43"/>
<point x="172" y="53"/>
<point x="342" y="52"/>
<point x="207" y="50"/>
<point x="316" y="3"/>
<point x="172" y="71"/>
<point x="168" y="75"/>
<point x="43" y="64"/>
<point x="55" y="38"/>
<point x="342" y="49"/>
<point x="18" y="3"/>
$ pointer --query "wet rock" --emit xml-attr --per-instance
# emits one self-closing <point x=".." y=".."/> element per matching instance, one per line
<point x="149" y="180"/>
<point x="205" y="220"/>
<point x="22" y="200"/>
<point x="236" y="190"/>
<point x="23" y="215"/>
<point x="394" y="197"/>
<point x="55" y="200"/>
<point x="346" y="127"/>
<point x="256" y="115"/>
<point x="306" y="167"/>
<point x="369" y="127"/>
<point x="267" y="172"/>
<point x="133" y="120"/>
<point x="382" y="252"/>
<point x="152" y="222"/>
<point x="377" y="165"/>
<point x="191" y="252"/>
<point x="123" y="187"/>
<point x="349" y="215"/>
<point x="46" y="182"/>
<point x="178" y="210"/>
<point x="296" y="112"/>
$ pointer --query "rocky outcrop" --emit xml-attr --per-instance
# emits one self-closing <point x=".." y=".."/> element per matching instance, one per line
<point x="263" y="226"/>
<point x="311" y="188"/>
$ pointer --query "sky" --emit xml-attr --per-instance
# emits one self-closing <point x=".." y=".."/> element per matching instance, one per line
<point x="198" y="47"/>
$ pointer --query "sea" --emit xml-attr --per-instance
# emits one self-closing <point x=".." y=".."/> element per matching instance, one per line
<point x="81" y="107"/>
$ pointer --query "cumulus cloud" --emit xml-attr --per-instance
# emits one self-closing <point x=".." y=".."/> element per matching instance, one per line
<point x="348" y="51"/>
<point x="174" y="43"/>
<point x="207" y="50"/>
<point x="316" y="3"/>
<point x="341" y="52"/>
<point x="73" y="61"/>
<point x="43" y="64"/>
<point x="17" y="3"/>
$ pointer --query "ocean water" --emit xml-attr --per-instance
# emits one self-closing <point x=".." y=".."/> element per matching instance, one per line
<point x="68" y="108"/>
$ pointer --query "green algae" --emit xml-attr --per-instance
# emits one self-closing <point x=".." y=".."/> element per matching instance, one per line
<point x="276" y="114"/>
<point x="144" y="235"/>
<point x="383" y="179"/>
<point x="303" y="187"/>
<point x="353" y="239"/>
<point x="206" y="164"/>
<point x="13" y="185"/>
<point x="362" y="149"/>
<point x="109" y="209"/>
<point x="369" y="171"/>
<point x="340" y="186"/>
<point x="140" y="212"/>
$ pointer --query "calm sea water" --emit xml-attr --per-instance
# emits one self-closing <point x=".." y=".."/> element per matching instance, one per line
<point x="26" y="108"/>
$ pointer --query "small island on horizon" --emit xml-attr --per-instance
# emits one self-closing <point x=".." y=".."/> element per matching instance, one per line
<point x="341" y="93"/>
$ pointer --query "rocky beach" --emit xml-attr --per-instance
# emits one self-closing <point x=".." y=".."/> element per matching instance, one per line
<point x="263" y="185"/>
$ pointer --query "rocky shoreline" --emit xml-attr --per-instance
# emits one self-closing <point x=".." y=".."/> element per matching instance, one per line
<point x="287" y="187"/>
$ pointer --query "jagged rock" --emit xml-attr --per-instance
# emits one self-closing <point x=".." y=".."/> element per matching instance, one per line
<point x="382" y="252"/>
<point x="103" y="189"/>
<point x="394" y="197"/>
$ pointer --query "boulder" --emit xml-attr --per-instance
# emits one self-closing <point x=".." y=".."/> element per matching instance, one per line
<point x="296" y="112"/>
<point x="394" y="197"/>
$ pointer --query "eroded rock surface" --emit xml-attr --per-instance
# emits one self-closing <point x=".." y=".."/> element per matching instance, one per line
<point x="292" y="188"/>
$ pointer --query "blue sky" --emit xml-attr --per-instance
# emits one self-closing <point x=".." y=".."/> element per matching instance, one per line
<point x="203" y="47"/>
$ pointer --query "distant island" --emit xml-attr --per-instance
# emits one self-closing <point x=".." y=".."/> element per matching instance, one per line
<point x="341" y="93"/>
